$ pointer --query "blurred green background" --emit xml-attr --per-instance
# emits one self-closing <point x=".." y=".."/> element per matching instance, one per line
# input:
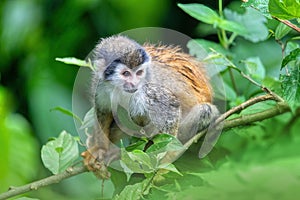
<point x="32" y="34"/>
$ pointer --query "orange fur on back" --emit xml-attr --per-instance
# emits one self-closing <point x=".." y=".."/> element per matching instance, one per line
<point x="190" y="69"/>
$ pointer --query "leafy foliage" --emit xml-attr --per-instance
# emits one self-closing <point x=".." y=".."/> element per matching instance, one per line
<point x="59" y="153"/>
<point x="136" y="191"/>
<point x="291" y="87"/>
<point x="285" y="9"/>
<point x="251" y="18"/>
<point x="293" y="56"/>
<point x="260" y="5"/>
<point x="139" y="160"/>
<point x="209" y="16"/>
<point x="259" y="160"/>
<point x="281" y="31"/>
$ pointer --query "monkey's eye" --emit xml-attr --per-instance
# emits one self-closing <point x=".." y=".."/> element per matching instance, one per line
<point x="126" y="73"/>
<point x="140" y="72"/>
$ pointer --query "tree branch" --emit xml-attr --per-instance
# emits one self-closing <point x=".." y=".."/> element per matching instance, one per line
<point x="244" y="105"/>
<point x="71" y="171"/>
<point x="280" y="108"/>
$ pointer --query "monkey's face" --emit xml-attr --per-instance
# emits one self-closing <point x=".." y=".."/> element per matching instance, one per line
<point x="126" y="78"/>
<point x="129" y="72"/>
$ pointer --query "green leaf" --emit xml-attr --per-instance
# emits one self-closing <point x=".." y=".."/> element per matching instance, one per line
<point x="200" y="12"/>
<point x="169" y="167"/>
<point x="281" y="31"/>
<point x="218" y="59"/>
<point x="209" y="16"/>
<point x="89" y="119"/>
<point x="136" y="191"/>
<point x="293" y="56"/>
<point x="59" y="154"/>
<point x="195" y="46"/>
<point x="203" y="48"/>
<point x="67" y="112"/>
<point x="255" y="68"/>
<point x="138" y="161"/>
<point x="139" y="145"/>
<point x="165" y="143"/>
<point x="273" y="84"/>
<point x="258" y="107"/>
<point x="230" y="94"/>
<point x="284" y="9"/>
<point x="75" y="61"/>
<point x="260" y="5"/>
<point x="239" y="100"/>
<point x="290" y="84"/>
<point x="128" y="172"/>
<point x="291" y="46"/>
<point x="255" y="22"/>
<point x="232" y="26"/>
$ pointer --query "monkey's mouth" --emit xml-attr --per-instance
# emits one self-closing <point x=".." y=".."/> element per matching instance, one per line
<point x="132" y="90"/>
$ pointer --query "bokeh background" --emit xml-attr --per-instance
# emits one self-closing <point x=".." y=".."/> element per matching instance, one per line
<point x="32" y="34"/>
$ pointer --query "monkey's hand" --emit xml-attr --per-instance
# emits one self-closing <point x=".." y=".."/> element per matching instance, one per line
<point x="95" y="163"/>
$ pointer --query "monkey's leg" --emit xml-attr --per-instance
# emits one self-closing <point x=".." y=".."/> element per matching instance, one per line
<point x="98" y="145"/>
<point x="198" y="118"/>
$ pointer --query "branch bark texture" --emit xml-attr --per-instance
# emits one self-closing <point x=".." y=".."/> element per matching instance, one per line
<point x="14" y="191"/>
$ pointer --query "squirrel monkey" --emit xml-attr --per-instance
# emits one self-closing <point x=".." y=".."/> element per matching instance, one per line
<point x="167" y="87"/>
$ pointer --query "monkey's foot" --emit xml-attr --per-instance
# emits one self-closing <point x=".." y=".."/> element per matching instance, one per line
<point x="95" y="165"/>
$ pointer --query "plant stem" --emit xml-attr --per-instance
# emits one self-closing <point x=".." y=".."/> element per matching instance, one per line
<point x="244" y="105"/>
<point x="288" y="23"/>
<point x="14" y="191"/>
<point x="222" y="33"/>
<point x="220" y="8"/>
<point x="225" y="39"/>
<point x="233" y="81"/>
<point x="231" y="39"/>
<point x="280" y="108"/>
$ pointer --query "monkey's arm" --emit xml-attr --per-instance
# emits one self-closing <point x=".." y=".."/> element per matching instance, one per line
<point x="163" y="108"/>
<point x="98" y="142"/>
<point x="98" y="145"/>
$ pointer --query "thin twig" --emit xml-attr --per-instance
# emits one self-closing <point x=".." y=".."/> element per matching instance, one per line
<point x="264" y="88"/>
<point x="14" y="191"/>
<point x="288" y="23"/>
<point x="231" y="65"/>
<point x="233" y="80"/>
<point x="244" y="105"/>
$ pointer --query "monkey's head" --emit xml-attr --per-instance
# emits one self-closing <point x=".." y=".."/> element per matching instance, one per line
<point x="122" y="62"/>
